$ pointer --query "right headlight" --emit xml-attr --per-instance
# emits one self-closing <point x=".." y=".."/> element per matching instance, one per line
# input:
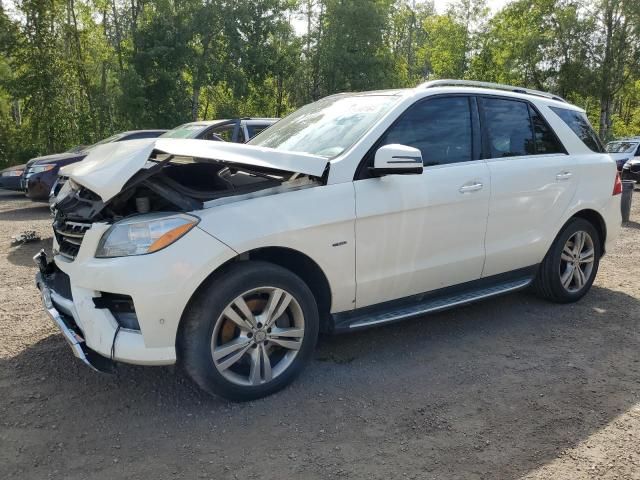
<point x="144" y="234"/>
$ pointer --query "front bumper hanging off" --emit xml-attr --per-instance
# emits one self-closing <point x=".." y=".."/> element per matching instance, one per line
<point x="59" y="310"/>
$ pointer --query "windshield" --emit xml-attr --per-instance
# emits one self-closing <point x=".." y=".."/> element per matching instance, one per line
<point x="327" y="127"/>
<point x="188" y="130"/>
<point x="620" y="147"/>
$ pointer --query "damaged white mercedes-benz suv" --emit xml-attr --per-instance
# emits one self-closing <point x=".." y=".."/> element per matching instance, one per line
<point x="357" y="210"/>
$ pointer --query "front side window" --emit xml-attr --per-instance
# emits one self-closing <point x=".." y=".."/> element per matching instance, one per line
<point x="439" y="127"/>
<point x="508" y="127"/>
<point x="579" y="123"/>
<point x="327" y="127"/>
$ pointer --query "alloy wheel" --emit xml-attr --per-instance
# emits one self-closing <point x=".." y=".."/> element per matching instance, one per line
<point x="257" y="336"/>
<point x="577" y="261"/>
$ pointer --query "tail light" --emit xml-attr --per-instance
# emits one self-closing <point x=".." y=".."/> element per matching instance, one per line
<point x="617" y="185"/>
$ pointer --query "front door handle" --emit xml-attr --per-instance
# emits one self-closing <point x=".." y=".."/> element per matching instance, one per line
<point x="563" y="176"/>
<point x="471" y="187"/>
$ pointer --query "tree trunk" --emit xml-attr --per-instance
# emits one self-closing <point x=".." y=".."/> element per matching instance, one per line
<point x="606" y="104"/>
<point x="605" y="80"/>
<point x="279" y="96"/>
<point x="116" y="25"/>
<point x="195" y="103"/>
<point x="15" y="111"/>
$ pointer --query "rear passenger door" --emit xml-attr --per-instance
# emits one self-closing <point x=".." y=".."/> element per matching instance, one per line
<point x="532" y="183"/>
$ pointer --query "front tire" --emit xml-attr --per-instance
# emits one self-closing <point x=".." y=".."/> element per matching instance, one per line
<point x="249" y="331"/>
<point x="570" y="267"/>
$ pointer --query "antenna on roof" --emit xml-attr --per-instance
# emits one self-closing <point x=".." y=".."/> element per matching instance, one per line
<point x="495" y="86"/>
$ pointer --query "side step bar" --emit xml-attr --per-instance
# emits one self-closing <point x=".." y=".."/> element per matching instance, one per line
<point x="394" y="311"/>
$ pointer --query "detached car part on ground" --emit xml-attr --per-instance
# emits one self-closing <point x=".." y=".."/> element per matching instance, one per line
<point x="357" y="210"/>
<point x="42" y="173"/>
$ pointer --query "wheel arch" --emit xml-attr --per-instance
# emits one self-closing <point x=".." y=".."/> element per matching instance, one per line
<point x="293" y="260"/>
<point x="595" y="219"/>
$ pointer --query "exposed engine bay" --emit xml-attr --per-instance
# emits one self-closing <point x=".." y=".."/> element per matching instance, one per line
<point x="171" y="183"/>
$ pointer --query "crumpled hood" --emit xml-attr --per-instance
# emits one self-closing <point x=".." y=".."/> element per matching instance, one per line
<point x="108" y="167"/>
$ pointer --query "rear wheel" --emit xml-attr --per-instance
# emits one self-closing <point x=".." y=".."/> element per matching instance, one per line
<point x="249" y="332"/>
<point x="569" y="268"/>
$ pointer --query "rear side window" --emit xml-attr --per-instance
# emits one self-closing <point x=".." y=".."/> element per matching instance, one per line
<point x="508" y="127"/>
<point x="580" y="125"/>
<point x="439" y="127"/>
<point x="546" y="140"/>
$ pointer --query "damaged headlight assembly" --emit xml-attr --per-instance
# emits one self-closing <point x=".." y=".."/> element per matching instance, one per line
<point x="144" y="234"/>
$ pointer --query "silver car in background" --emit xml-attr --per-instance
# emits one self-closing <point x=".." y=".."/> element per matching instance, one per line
<point x="624" y="150"/>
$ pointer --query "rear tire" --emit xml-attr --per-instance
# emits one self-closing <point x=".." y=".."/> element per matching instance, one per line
<point x="249" y="331"/>
<point x="571" y="264"/>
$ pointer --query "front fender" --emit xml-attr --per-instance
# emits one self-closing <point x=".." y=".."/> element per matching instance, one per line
<point x="318" y="222"/>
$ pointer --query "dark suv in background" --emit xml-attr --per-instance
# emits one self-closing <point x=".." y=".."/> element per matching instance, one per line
<point x="41" y="172"/>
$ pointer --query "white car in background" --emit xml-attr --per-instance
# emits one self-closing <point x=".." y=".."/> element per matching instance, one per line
<point x="357" y="210"/>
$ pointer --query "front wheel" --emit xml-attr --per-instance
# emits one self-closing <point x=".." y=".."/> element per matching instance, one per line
<point x="569" y="268"/>
<point x="249" y="332"/>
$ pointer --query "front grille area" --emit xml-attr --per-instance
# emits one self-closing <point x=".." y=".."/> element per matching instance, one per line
<point x="69" y="236"/>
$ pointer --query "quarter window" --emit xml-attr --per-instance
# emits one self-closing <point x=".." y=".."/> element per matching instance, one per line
<point x="439" y="127"/>
<point x="508" y="127"/>
<point x="579" y="123"/>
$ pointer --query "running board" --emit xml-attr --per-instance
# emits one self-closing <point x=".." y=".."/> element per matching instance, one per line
<point x="394" y="311"/>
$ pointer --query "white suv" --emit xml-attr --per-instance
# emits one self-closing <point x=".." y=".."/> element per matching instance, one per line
<point x="360" y="209"/>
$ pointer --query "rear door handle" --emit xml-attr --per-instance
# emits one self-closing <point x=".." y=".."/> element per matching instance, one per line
<point x="563" y="176"/>
<point x="471" y="187"/>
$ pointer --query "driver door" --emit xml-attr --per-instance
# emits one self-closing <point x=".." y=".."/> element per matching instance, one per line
<point x="418" y="233"/>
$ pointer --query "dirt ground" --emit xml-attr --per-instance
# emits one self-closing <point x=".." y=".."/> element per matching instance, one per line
<point x="510" y="388"/>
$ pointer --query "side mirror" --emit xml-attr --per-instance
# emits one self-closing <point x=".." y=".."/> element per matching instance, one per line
<point x="397" y="159"/>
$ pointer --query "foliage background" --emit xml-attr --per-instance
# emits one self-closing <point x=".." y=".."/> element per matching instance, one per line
<point x="75" y="71"/>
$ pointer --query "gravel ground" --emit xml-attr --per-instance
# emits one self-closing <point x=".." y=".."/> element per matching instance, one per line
<point x="510" y="388"/>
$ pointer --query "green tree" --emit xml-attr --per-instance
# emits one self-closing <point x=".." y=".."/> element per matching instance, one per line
<point x="352" y="52"/>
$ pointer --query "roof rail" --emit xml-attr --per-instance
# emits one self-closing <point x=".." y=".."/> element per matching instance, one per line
<point x="495" y="86"/>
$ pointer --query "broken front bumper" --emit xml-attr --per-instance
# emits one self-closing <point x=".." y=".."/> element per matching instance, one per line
<point x="59" y="310"/>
